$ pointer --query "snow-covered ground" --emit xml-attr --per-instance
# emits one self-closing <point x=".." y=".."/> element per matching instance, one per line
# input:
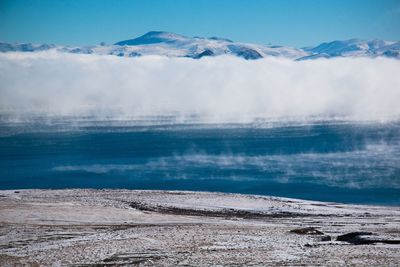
<point x="175" y="228"/>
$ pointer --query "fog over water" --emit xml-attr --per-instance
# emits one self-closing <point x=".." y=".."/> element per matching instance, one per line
<point x="319" y="129"/>
<point x="218" y="89"/>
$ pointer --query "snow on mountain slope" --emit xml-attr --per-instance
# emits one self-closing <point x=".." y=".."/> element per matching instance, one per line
<point x="170" y="44"/>
<point x="354" y="48"/>
<point x="28" y="47"/>
<point x="175" y="45"/>
<point x="154" y="37"/>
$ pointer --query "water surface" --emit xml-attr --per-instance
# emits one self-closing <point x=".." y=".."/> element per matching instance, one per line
<point x="330" y="161"/>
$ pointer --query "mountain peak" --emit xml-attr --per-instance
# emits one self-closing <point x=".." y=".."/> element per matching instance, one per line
<point x="344" y="46"/>
<point x="221" y="39"/>
<point x="153" y="37"/>
<point x="175" y="45"/>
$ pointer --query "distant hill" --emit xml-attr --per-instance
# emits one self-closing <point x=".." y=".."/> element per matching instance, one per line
<point x="175" y="45"/>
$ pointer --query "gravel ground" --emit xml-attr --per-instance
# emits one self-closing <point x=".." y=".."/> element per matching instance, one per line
<point x="174" y="228"/>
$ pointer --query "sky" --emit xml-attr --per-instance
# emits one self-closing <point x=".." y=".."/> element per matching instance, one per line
<point x="285" y="22"/>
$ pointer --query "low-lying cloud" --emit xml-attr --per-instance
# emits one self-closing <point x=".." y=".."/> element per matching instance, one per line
<point x="216" y="88"/>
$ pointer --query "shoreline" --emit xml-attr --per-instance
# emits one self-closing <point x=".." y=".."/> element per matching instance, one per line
<point x="103" y="227"/>
<point x="368" y="204"/>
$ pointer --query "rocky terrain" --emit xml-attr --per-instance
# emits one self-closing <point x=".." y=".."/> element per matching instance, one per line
<point x="175" y="228"/>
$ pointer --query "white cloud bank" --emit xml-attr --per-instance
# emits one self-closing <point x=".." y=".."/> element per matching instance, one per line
<point x="218" y="88"/>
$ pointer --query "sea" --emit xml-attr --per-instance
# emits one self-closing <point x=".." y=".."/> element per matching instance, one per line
<point x="325" y="160"/>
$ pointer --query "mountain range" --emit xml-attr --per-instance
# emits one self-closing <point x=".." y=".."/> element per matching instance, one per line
<point x="176" y="45"/>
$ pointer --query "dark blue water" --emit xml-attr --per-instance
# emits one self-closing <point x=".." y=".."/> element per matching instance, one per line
<point x="342" y="162"/>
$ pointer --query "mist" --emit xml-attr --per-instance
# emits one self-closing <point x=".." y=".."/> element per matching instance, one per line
<point x="217" y="89"/>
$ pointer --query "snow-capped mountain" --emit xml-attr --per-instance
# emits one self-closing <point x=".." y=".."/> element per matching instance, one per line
<point x="170" y="44"/>
<point x="355" y="48"/>
<point x="175" y="45"/>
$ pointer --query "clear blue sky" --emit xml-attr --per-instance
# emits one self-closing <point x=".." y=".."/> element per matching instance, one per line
<point x="287" y="22"/>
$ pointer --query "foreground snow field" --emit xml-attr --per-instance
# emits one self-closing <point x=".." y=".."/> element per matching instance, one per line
<point x="175" y="228"/>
